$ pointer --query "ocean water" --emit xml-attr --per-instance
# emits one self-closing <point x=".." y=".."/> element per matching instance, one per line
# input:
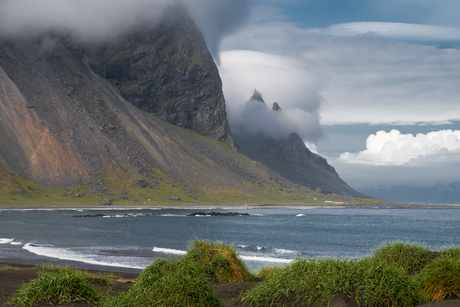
<point x="128" y="239"/>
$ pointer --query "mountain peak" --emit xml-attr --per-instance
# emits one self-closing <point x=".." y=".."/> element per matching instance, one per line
<point x="276" y="107"/>
<point x="257" y="96"/>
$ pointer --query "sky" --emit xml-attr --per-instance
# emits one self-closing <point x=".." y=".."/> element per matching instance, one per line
<point x="372" y="86"/>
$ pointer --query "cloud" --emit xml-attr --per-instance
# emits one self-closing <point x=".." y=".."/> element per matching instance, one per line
<point x="83" y="19"/>
<point x="362" y="78"/>
<point x="218" y="18"/>
<point x="400" y="31"/>
<point x="279" y="80"/>
<point x="394" y="148"/>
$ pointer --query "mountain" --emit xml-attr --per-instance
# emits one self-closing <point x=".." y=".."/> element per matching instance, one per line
<point x="142" y="117"/>
<point x="289" y="156"/>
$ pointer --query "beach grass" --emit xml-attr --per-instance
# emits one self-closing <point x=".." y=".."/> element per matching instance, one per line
<point x="410" y="257"/>
<point x="59" y="287"/>
<point x="441" y="279"/>
<point x="170" y="283"/>
<point x="395" y="274"/>
<point x="219" y="260"/>
<point x="306" y="281"/>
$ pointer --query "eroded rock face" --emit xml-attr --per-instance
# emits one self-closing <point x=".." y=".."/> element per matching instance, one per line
<point x="168" y="71"/>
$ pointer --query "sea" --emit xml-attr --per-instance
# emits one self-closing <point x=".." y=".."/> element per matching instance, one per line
<point x="129" y="239"/>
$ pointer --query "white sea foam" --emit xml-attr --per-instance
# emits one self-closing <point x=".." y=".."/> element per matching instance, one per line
<point x="169" y="251"/>
<point x="67" y="254"/>
<point x="16" y="243"/>
<point x="5" y="240"/>
<point x="300" y="214"/>
<point x="169" y="215"/>
<point x="285" y="251"/>
<point x="265" y="259"/>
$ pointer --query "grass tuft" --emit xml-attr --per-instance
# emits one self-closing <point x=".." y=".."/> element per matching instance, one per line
<point x="410" y="257"/>
<point x="61" y="287"/>
<point x="170" y="283"/>
<point x="384" y="284"/>
<point x="317" y="281"/>
<point x="441" y="279"/>
<point x="219" y="260"/>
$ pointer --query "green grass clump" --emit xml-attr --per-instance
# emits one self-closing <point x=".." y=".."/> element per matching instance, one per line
<point x="304" y="282"/>
<point x="441" y="278"/>
<point x="266" y="271"/>
<point x="452" y="252"/>
<point x="384" y="284"/>
<point x="61" y="287"/>
<point x="219" y="260"/>
<point x="170" y="283"/>
<point x="410" y="257"/>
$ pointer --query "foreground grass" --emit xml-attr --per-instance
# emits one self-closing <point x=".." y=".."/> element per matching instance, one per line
<point x="170" y="283"/>
<point x="395" y="274"/>
<point x="61" y="287"/>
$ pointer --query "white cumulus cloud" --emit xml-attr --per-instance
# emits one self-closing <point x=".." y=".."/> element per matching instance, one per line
<point x="394" y="148"/>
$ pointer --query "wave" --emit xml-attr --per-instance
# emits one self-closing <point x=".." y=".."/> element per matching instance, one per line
<point x="170" y="214"/>
<point x="52" y="251"/>
<point x="268" y="249"/>
<point x="5" y="240"/>
<point x="300" y="214"/>
<point x="285" y="251"/>
<point x="168" y="251"/>
<point x="265" y="259"/>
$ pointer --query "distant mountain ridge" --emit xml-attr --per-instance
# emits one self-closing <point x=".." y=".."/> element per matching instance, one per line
<point x="290" y="157"/>
<point x="145" y="111"/>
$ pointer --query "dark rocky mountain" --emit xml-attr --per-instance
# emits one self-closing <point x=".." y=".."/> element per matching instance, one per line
<point x="110" y="117"/>
<point x="158" y="71"/>
<point x="291" y="158"/>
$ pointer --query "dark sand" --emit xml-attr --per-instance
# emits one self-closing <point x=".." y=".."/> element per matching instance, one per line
<point x="13" y="276"/>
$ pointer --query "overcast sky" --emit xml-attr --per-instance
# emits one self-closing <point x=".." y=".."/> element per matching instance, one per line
<point x="378" y="83"/>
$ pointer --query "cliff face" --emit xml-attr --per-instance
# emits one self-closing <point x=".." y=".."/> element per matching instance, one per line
<point x="168" y="70"/>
